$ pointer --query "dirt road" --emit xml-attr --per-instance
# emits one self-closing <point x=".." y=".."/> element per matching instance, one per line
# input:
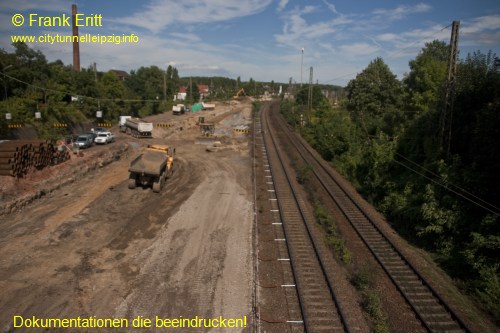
<point x="96" y="248"/>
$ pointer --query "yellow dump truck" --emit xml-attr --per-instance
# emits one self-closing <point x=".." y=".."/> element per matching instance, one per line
<point x="152" y="167"/>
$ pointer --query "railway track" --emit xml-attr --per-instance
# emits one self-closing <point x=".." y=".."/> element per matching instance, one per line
<point x="434" y="313"/>
<point x="320" y="309"/>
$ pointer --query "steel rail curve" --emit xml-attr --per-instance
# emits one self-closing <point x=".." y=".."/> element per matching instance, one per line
<point x="320" y="309"/>
<point x="434" y="313"/>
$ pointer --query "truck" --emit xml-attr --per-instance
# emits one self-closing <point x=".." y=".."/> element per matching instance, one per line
<point x="178" y="109"/>
<point x="152" y="167"/>
<point x="138" y="127"/>
<point x="123" y="128"/>
<point x="208" y="106"/>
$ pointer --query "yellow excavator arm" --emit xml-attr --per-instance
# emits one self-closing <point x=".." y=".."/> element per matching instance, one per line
<point x="239" y="93"/>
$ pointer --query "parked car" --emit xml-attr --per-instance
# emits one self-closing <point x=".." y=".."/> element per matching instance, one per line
<point x="84" y="141"/>
<point x="93" y="135"/>
<point x="98" y="130"/>
<point x="104" y="138"/>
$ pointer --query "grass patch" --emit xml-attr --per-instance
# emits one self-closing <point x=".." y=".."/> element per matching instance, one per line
<point x="303" y="174"/>
<point x="333" y="238"/>
<point x="364" y="281"/>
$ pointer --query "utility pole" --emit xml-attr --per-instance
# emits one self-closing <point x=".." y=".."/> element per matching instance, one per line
<point x="165" y="85"/>
<point x="309" y="95"/>
<point x="190" y="90"/>
<point x="447" y="114"/>
<point x="301" y="64"/>
<point x="76" y="44"/>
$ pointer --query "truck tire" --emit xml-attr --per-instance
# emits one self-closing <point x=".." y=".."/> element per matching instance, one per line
<point x="132" y="182"/>
<point x="157" y="186"/>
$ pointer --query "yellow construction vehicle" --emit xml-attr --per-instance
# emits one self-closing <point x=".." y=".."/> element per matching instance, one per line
<point x="152" y="167"/>
<point x="240" y="93"/>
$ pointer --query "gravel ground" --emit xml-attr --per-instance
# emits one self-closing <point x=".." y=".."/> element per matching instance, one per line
<point x="91" y="247"/>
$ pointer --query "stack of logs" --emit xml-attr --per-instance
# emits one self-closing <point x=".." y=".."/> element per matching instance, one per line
<point x="17" y="157"/>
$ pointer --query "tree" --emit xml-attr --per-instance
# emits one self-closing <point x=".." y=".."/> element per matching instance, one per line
<point x="426" y="81"/>
<point x="317" y="96"/>
<point x="173" y="82"/>
<point x="374" y="98"/>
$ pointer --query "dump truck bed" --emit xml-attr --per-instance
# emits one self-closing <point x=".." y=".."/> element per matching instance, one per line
<point x="149" y="163"/>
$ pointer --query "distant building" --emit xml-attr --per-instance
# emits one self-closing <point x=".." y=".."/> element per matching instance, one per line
<point x="122" y="75"/>
<point x="181" y="95"/>
<point x="203" y="90"/>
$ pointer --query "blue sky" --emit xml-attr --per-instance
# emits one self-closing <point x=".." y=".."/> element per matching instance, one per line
<point x="262" y="39"/>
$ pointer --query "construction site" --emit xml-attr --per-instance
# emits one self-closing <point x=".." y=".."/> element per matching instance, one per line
<point x="94" y="247"/>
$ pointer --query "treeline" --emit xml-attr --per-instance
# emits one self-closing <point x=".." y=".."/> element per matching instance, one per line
<point x="32" y="84"/>
<point x="437" y="183"/>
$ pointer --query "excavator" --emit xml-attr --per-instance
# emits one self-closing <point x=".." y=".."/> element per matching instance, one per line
<point x="240" y="93"/>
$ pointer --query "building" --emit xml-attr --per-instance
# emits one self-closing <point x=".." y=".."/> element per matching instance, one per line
<point x="122" y="75"/>
<point x="181" y="95"/>
<point x="203" y="90"/>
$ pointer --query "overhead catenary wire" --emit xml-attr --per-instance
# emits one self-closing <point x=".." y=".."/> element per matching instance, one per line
<point x="444" y="183"/>
<point x="445" y="186"/>
<point x="72" y="93"/>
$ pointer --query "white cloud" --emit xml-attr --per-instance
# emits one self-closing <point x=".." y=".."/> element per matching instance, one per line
<point x="483" y="23"/>
<point x="282" y="4"/>
<point x="161" y="13"/>
<point x="298" y="31"/>
<point x="331" y="7"/>
<point x="401" y="12"/>
<point x="389" y="37"/>
<point x="184" y="36"/>
<point x="359" y="49"/>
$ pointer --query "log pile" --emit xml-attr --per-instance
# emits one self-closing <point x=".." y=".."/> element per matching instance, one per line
<point x="17" y="157"/>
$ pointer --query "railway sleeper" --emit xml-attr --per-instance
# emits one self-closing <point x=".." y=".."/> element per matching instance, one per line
<point x="415" y="289"/>
<point x="365" y="227"/>
<point x="322" y="311"/>
<point x="383" y="249"/>
<point x="429" y="309"/>
<point x="366" y="230"/>
<point x="389" y="257"/>
<point x="324" y="321"/>
<point x="321" y="307"/>
<point x="323" y="328"/>
<point x="426" y="301"/>
<point x="403" y="274"/>
<point x="303" y="252"/>
<point x="317" y="292"/>
<point x="394" y="264"/>
<point x="302" y="256"/>
<point x="417" y="298"/>
<point x="411" y="284"/>
<point x="407" y="278"/>
<point x="312" y="283"/>
<point x="310" y="273"/>
<point x="357" y="217"/>
<point x="445" y="326"/>
<point x="398" y="268"/>
<point x="437" y="317"/>
<point x="417" y="295"/>
<point x="376" y="239"/>
<point x="373" y="237"/>
<point x="361" y="224"/>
